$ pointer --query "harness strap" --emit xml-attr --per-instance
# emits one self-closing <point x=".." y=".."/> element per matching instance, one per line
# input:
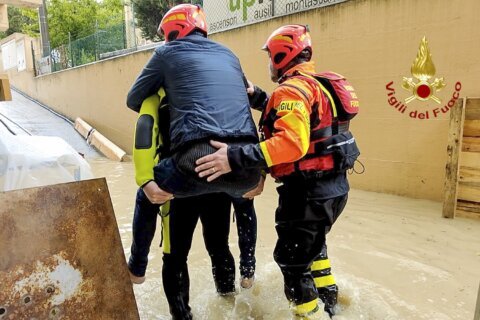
<point x="299" y="89"/>
<point x="326" y="147"/>
<point x="328" y="131"/>
<point x="325" y="91"/>
<point x="333" y="107"/>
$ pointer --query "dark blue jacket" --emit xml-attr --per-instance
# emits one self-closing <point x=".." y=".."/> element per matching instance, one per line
<point x="205" y="87"/>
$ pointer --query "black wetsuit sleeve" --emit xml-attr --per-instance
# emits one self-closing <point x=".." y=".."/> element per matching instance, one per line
<point x="247" y="156"/>
<point x="148" y="82"/>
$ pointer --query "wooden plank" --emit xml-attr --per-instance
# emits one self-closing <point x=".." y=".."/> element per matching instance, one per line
<point x="470" y="159"/>
<point x="472" y="109"/>
<point x="469" y="206"/>
<point x="457" y="117"/>
<point x="469" y="191"/>
<point x="471" y="128"/>
<point x="467" y="214"/>
<point x="469" y="177"/>
<point x="476" y="316"/>
<point x="95" y="138"/>
<point x="471" y="144"/>
<point x="469" y="174"/>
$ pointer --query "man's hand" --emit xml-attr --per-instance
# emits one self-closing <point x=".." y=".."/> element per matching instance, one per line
<point x="215" y="164"/>
<point x="155" y="194"/>
<point x="251" y="88"/>
<point x="257" y="191"/>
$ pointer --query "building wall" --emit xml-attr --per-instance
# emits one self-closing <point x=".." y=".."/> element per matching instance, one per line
<point x="3" y="18"/>
<point x="28" y="43"/>
<point x="94" y="92"/>
<point x="372" y="42"/>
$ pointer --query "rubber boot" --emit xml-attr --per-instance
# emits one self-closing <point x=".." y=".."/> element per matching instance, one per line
<point x="307" y="311"/>
<point x="325" y="282"/>
<point x="329" y="296"/>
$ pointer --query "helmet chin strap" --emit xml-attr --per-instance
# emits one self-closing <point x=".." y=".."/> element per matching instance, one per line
<point x="291" y="64"/>
<point x="281" y="72"/>
<point x="275" y="76"/>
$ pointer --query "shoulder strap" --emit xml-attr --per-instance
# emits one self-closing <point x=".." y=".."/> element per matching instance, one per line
<point x="325" y="91"/>
<point x="297" y="88"/>
<point x="335" y="128"/>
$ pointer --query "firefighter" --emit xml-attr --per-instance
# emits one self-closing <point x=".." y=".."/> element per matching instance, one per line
<point x="302" y="147"/>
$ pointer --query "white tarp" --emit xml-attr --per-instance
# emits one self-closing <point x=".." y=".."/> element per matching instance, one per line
<point x="33" y="161"/>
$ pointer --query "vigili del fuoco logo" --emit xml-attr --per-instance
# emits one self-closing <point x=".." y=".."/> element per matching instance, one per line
<point x="423" y="86"/>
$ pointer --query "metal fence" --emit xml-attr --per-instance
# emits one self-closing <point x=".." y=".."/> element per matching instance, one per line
<point x="86" y="50"/>
<point x="221" y="15"/>
<point x="228" y="14"/>
<point x="89" y="49"/>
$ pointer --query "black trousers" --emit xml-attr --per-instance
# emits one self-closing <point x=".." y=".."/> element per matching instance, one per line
<point x="246" y="217"/>
<point x="213" y="210"/>
<point x="302" y="223"/>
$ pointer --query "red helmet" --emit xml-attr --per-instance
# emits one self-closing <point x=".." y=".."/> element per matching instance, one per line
<point x="181" y="20"/>
<point x="285" y="43"/>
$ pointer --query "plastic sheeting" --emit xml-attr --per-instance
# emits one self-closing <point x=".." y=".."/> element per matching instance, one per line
<point x="33" y="161"/>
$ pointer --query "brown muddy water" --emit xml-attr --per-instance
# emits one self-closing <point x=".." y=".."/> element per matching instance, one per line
<point x="393" y="258"/>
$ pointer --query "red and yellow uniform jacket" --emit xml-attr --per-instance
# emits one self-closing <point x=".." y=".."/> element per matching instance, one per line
<point x="286" y="125"/>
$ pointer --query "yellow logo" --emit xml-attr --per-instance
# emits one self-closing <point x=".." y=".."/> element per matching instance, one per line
<point x="289" y="105"/>
<point x="423" y="69"/>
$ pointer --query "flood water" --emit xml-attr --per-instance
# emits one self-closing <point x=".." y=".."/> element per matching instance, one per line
<point x="393" y="258"/>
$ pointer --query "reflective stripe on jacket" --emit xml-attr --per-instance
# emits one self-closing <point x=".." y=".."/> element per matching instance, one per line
<point x="148" y="139"/>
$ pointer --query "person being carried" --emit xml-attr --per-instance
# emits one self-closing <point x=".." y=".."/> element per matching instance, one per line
<point x="206" y="89"/>
<point x="246" y="219"/>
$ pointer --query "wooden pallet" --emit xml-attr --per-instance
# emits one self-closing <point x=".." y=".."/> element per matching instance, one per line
<point x="462" y="184"/>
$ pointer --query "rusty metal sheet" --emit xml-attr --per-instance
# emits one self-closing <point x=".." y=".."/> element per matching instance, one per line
<point x="61" y="255"/>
